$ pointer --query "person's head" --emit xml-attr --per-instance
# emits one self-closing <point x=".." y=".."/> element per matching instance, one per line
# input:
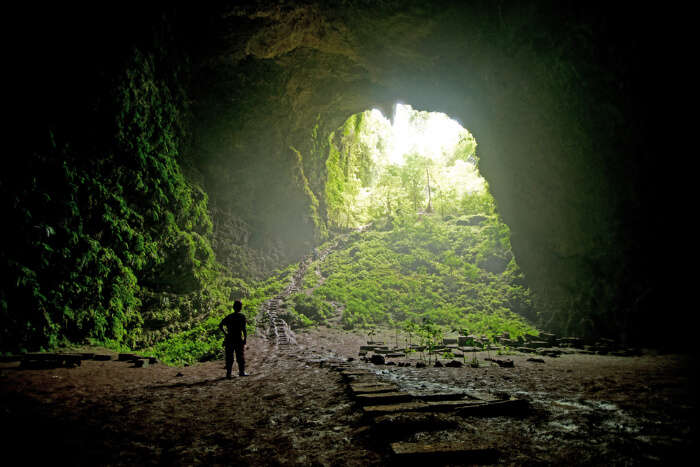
<point x="237" y="305"/>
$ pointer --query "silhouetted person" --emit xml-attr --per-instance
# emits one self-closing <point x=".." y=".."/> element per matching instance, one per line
<point x="233" y="327"/>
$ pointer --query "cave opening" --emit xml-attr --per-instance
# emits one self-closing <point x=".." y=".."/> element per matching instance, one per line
<point x="417" y="163"/>
<point x="427" y="243"/>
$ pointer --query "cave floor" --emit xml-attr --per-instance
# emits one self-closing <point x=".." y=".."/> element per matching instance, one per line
<point x="294" y="410"/>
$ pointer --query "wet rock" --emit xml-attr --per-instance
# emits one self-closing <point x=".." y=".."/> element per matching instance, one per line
<point x="378" y="359"/>
<point x="454" y="364"/>
<point x="535" y="360"/>
<point x="505" y="363"/>
<point x="420" y="364"/>
<point x="442" y="453"/>
<point x="438" y="364"/>
<point x="141" y="363"/>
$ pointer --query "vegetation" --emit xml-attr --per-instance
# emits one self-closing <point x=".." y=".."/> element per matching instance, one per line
<point x="437" y="253"/>
<point x="107" y="232"/>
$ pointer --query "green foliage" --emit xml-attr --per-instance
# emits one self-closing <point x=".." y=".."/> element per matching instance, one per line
<point x="203" y="340"/>
<point x="102" y="217"/>
<point x="428" y="272"/>
<point x="312" y="307"/>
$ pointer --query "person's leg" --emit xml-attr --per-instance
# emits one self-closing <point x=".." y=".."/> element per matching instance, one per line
<point x="241" y="359"/>
<point x="228" y="350"/>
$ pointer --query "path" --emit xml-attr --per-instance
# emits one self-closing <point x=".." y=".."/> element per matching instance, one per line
<point x="276" y="328"/>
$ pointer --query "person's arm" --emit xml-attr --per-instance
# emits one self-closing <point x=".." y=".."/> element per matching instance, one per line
<point x="221" y="327"/>
<point x="245" y="332"/>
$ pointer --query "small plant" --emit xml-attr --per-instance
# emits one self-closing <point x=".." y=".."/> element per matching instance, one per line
<point x="371" y="332"/>
<point x="410" y="329"/>
<point x="474" y="362"/>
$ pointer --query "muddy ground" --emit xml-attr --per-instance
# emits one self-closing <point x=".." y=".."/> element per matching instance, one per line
<point x="294" y="410"/>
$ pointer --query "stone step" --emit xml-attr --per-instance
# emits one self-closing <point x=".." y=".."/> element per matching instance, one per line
<point x="356" y="372"/>
<point x="374" y="347"/>
<point x="102" y="357"/>
<point x="452" y="396"/>
<point x="382" y="398"/>
<point x="432" y="453"/>
<point x="511" y="407"/>
<point x="370" y="388"/>
<point x="417" y="406"/>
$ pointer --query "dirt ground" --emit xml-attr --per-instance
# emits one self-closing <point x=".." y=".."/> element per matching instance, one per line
<point x="294" y="410"/>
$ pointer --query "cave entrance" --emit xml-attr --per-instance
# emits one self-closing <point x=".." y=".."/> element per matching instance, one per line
<point x="437" y="250"/>
<point x="417" y="163"/>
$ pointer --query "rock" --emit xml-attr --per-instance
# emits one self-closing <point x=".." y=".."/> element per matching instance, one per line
<point x="102" y="357"/>
<point x="535" y="360"/>
<point x="179" y="374"/>
<point x="576" y="342"/>
<point x="438" y="364"/>
<point x="454" y="364"/>
<point x="450" y="341"/>
<point x="11" y="358"/>
<point x="371" y="388"/>
<point x="549" y="352"/>
<point x="420" y="364"/>
<point x="378" y="359"/>
<point x="506" y="363"/>
<point x="439" y="397"/>
<point x="494" y="409"/>
<point x="443" y="453"/>
<point x="381" y="398"/>
<point x="419" y="406"/>
<point x="141" y="363"/>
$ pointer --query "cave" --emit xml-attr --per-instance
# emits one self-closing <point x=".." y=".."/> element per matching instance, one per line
<point x="172" y="153"/>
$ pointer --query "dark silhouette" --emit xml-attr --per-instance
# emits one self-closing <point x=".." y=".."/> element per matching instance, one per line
<point x="233" y="327"/>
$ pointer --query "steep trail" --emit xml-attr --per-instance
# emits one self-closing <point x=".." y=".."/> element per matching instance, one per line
<point x="276" y="328"/>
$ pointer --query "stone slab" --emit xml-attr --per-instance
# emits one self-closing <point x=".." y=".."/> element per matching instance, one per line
<point x="452" y="396"/>
<point x="511" y="407"/>
<point x="102" y="357"/>
<point x="370" y="388"/>
<point x="383" y="398"/>
<point x="355" y="372"/>
<point x="432" y="453"/>
<point x="418" y="406"/>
